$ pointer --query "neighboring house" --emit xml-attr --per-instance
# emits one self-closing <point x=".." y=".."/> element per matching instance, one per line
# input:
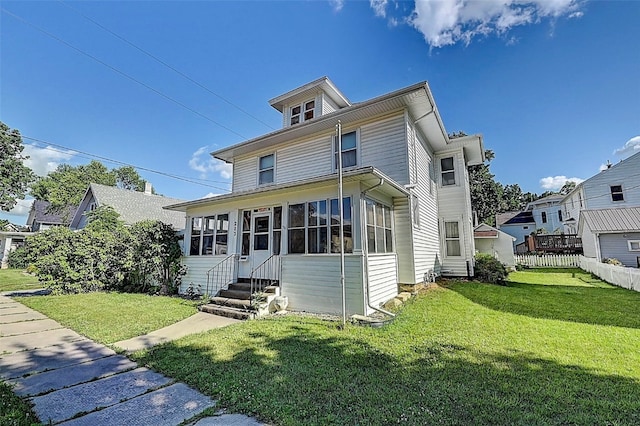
<point x="612" y="233"/>
<point x="615" y="187"/>
<point x="40" y="218"/>
<point x="132" y="206"/>
<point x="498" y="244"/>
<point x="10" y="240"/>
<point x="519" y="225"/>
<point x="407" y="209"/>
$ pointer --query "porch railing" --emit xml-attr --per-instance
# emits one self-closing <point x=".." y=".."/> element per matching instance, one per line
<point x="267" y="273"/>
<point x="222" y="274"/>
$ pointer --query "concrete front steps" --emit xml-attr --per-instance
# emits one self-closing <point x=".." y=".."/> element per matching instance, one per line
<point x="235" y="301"/>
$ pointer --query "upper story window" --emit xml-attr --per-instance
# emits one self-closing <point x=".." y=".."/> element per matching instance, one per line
<point x="616" y="193"/>
<point x="349" y="150"/>
<point x="544" y="217"/>
<point x="448" y="172"/>
<point x="266" y="166"/>
<point x="209" y="235"/>
<point x="303" y="112"/>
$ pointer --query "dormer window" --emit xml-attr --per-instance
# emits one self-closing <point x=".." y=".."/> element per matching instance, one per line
<point x="302" y="112"/>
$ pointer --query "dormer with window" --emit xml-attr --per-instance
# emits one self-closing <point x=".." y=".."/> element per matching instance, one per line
<point x="320" y="97"/>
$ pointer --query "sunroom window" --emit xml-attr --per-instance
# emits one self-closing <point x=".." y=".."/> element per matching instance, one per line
<point x="379" y="235"/>
<point x="209" y="235"/>
<point x="314" y="227"/>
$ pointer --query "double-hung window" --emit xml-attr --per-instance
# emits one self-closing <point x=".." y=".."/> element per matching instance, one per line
<point x="302" y="112"/>
<point x="448" y="172"/>
<point x="379" y="235"/>
<point x="452" y="238"/>
<point x="209" y="235"/>
<point x="314" y="227"/>
<point x="349" y="150"/>
<point x="266" y="167"/>
<point x="616" y="193"/>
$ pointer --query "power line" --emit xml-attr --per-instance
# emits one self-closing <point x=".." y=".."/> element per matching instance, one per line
<point x="122" y="73"/>
<point x="82" y="154"/>
<point x="160" y="61"/>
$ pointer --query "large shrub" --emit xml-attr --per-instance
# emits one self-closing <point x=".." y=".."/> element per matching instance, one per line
<point x="489" y="269"/>
<point x="107" y="255"/>
<point x="17" y="258"/>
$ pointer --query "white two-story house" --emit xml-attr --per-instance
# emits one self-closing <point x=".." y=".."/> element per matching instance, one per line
<point x="605" y="212"/>
<point x="406" y="205"/>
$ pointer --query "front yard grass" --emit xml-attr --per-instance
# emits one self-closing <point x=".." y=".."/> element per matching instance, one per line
<point x="17" y="279"/>
<point x="111" y="317"/>
<point x="541" y="350"/>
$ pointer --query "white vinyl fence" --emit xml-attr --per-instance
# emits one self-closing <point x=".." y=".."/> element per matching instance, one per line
<point x="621" y="276"/>
<point x="548" y="260"/>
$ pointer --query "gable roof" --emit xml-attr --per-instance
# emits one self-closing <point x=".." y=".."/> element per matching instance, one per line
<point x="41" y="214"/>
<point x="417" y="99"/>
<point x="486" y="231"/>
<point x="611" y="220"/>
<point x="603" y="173"/>
<point x="505" y="216"/>
<point x="133" y="206"/>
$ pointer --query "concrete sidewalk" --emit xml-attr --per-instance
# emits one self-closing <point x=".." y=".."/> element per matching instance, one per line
<point x="72" y="380"/>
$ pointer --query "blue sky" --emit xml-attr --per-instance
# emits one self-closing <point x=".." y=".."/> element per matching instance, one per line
<point x="553" y="85"/>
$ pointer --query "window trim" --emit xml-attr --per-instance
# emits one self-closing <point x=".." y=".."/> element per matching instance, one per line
<point x="447" y="239"/>
<point x="334" y="154"/>
<point x="452" y="170"/>
<point x="272" y="168"/>
<point x="303" y="111"/>
<point x="616" y="193"/>
<point x="630" y="242"/>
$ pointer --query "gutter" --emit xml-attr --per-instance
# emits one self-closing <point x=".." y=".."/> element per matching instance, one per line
<point x="365" y="264"/>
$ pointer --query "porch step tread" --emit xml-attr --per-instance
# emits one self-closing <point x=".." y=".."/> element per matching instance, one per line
<point x="244" y="286"/>
<point x="227" y="311"/>
<point x="236" y="303"/>
<point x="235" y="294"/>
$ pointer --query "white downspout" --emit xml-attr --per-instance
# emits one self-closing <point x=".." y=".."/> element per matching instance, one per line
<point x="340" y="209"/>
<point x="365" y="250"/>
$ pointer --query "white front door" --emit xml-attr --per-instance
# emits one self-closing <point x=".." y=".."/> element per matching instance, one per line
<point x="256" y="243"/>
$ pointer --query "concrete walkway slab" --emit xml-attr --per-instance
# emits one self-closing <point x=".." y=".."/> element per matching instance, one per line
<point x="13" y="308"/>
<point x="37" y="384"/>
<point x="196" y="323"/>
<point x="21" y="316"/>
<point x="167" y="406"/>
<point x="5" y="299"/>
<point x="37" y="340"/>
<point x="66" y="403"/>
<point x="23" y="327"/>
<point x="62" y="355"/>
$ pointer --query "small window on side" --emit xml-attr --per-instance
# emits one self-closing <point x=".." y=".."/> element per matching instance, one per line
<point x="616" y="193"/>
<point x="634" y="245"/>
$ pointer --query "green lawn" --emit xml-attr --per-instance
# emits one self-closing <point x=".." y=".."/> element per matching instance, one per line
<point x="546" y="349"/>
<point x="111" y="317"/>
<point x="17" y="279"/>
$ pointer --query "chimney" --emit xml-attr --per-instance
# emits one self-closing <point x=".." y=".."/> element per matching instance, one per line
<point x="148" y="188"/>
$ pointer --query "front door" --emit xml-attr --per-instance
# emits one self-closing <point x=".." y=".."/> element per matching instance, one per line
<point x="256" y="239"/>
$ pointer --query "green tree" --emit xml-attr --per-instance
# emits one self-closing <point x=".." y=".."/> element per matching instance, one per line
<point x="104" y="218"/>
<point x="66" y="185"/>
<point x="567" y="187"/>
<point x="15" y="177"/>
<point x="4" y="224"/>
<point x="485" y="191"/>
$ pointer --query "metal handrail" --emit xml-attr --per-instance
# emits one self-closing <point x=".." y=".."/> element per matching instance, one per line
<point x="267" y="270"/>
<point x="223" y="273"/>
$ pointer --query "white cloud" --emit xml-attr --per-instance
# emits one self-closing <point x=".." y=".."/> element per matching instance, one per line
<point x="203" y="163"/>
<point x="447" y="22"/>
<point x="631" y="147"/>
<point x="554" y="183"/>
<point x="210" y="195"/>
<point x="21" y="208"/>
<point x="379" y="7"/>
<point x="336" y="5"/>
<point x="45" y="160"/>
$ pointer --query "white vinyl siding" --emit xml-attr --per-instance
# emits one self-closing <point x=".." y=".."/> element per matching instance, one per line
<point x="244" y="174"/>
<point x="404" y="234"/>
<point x="305" y="160"/>
<point x="312" y="283"/>
<point x="197" y="268"/>
<point x="383" y="144"/>
<point x="383" y="284"/>
<point x="328" y="106"/>
<point x="597" y="190"/>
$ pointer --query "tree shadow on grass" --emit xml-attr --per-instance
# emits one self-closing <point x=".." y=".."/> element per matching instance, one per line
<point x="610" y="306"/>
<point x="304" y="377"/>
